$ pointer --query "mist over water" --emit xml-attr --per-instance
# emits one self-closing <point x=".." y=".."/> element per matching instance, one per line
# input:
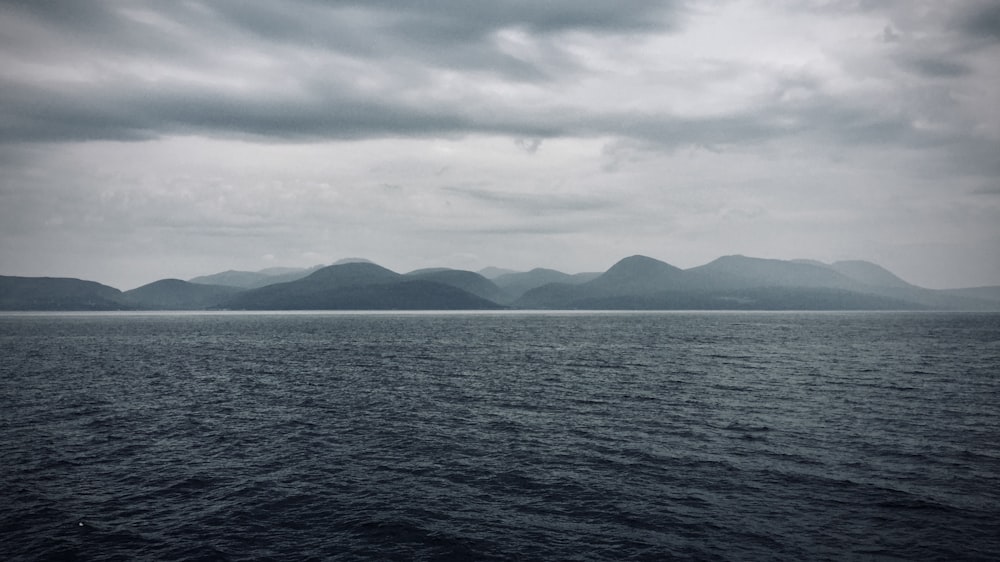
<point x="727" y="436"/>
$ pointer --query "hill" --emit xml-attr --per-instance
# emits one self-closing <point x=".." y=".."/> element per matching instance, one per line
<point x="730" y="282"/>
<point x="618" y="287"/>
<point x="870" y="274"/>
<point x="741" y="272"/>
<point x="634" y="283"/>
<point x="255" y="279"/>
<point x="174" y="294"/>
<point x="358" y="286"/>
<point x="468" y="281"/>
<point x="58" y="293"/>
<point x="989" y="293"/>
<point x="516" y="284"/>
<point x="492" y="272"/>
<point x="637" y="275"/>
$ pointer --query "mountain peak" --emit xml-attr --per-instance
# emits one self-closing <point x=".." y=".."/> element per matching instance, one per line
<point x="639" y="264"/>
<point x="254" y="279"/>
<point x="733" y="259"/>
<point x="344" y="261"/>
<point x="353" y="273"/>
<point x="493" y="272"/>
<point x="638" y="274"/>
<point x="175" y="294"/>
<point x="363" y="286"/>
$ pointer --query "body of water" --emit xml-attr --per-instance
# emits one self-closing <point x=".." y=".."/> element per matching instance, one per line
<point x="729" y="436"/>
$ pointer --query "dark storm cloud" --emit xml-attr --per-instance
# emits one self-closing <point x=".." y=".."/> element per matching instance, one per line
<point x="405" y="41"/>
<point x="982" y="21"/>
<point x="370" y="32"/>
<point x="32" y="114"/>
<point x="359" y="27"/>
<point x="463" y="20"/>
<point x="81" y="17"/>
<point x="136" y="112"/>
<point x="936" y="66"/>
<point x="298" y="71"/>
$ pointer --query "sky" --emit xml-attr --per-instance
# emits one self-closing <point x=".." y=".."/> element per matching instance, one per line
<point x="142" y="140"/>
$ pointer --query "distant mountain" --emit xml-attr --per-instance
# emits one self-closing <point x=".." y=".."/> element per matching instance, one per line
<point x="57" y="293"/>
<point x="738" y="282"/>
<point x="254" y="279"/>
<point x="634" y="283"/>
<point x="874" y="279"/>
<point x="864" y="272"/>
<point x="736" y="272"/>
<point x="989" y="293"/>
<point x="430" y="270"/>
<point x="516" y="284"/>
<point x="174" y="294"/>
<point x="278" y="271"/>
<point x="358" y="286"/>
<point x="494" y="272"/>
<point x="757" y="298"/>
<point x="468" y="281"/>
<point x="870" y="274"/>
<point x="635" y="276"/>
<point x="232" y="278"/>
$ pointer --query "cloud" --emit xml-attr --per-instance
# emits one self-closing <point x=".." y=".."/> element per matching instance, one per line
<point x="355" y="70"/>
<point x="301" y="70"/>
<point x="530" y="146"/>
<point x="937" y="67"/>
<point x="534" y="203"/>
<point x="982" y="20"/>
<point x="375" y="128"/>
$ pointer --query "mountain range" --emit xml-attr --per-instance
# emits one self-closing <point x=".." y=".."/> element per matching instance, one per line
<point x="634" y="283"/>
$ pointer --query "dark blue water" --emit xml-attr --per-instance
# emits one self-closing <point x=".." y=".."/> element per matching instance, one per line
<point x="730" y="436"/>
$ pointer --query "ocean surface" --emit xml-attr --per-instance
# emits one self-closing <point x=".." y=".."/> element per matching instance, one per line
<point x="500" y="436"/>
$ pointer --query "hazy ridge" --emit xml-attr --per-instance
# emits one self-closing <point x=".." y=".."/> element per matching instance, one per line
<point x="634" y="283"/>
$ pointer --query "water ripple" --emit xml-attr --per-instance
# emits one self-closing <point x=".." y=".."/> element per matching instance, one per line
<point x="498" y="437"/>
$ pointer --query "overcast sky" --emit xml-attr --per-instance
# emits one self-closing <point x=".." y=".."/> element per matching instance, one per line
<point x="145" y="139"/>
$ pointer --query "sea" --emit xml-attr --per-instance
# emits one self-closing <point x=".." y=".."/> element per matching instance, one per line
<point x="500" y="436"/>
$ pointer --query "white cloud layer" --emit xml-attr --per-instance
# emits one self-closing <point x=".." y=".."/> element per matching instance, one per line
<point x="140" y="140"/>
